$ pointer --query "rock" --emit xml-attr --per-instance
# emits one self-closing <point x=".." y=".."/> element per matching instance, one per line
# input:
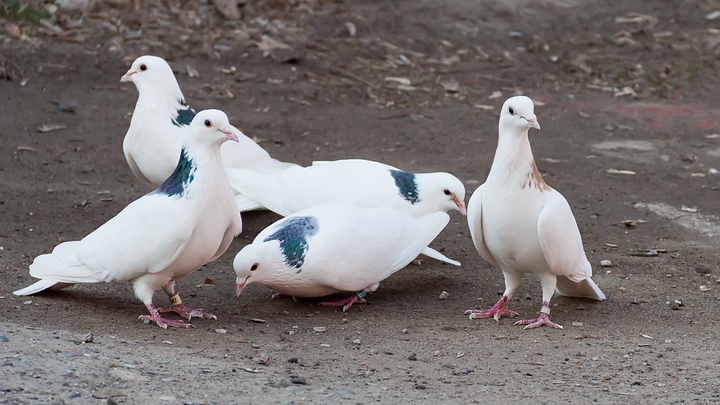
<point x="444" y="295"/>
<point x="605" y="263"/>
<point x="4" y="338"/>
<point x="228" y="8"/>
<point x="298" y="380"/>
<point x="293" y="360"/>
<point x="221" y="331"/>
<point x="412" y="357"/>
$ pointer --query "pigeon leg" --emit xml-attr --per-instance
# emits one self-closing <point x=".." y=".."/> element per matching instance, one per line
<point x="548" y="283"/>
<point x="496" y="311"/>
<point x="160" y="321"/>
<point x="512" y="282"/>
<point x="543" y="319"/>
<point x="357" y="298"/>
<point x="185" y="312"/>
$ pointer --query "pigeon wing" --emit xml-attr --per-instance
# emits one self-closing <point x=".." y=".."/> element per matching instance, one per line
<point x="475" y="223"/>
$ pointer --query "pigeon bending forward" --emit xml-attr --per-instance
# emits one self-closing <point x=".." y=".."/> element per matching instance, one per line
<point x="521" y="224"/>
<point x="333" y="248"/>
<point x="367" y="182"/>
<point x="152" y="143"/>
<point x="166" y="235"/>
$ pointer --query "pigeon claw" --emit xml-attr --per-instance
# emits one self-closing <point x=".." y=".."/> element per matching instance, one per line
<point x="164" y="323"/>
<point x="541" y="320"/>
<point x="346" y="303"/>
<point x="188" y="313"/>
<point x="496" y="311"/>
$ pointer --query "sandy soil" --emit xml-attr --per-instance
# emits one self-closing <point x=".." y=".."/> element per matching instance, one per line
<point x="634" y="94"/>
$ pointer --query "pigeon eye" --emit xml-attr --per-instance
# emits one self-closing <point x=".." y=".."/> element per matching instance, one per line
<point x="446" y="191"/>
<point x="143" y="67"/>
<point x="511" y="111"/>
<point x="208" y="123"/>
<point x="254" y="267"/>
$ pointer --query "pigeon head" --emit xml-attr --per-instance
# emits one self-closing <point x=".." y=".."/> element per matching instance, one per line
<point x="518" y="113"/>
<point x="147" y="70"/>
<point x="256" y="262"/>
<point x="442" y="190"/>
<point x="212" y="126"/>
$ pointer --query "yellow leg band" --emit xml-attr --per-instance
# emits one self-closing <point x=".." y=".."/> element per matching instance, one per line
<point x="175" y="300"/>
<point x="545" y="310"/>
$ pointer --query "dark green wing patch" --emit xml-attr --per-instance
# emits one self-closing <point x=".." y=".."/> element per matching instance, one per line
<point x="293" y="236"/>
<point x="407" y="187"/>
<point x="184" y="115"/>
<point x="184" y="174"/>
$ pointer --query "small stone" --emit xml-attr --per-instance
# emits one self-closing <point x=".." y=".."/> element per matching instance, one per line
<point x="320" y="329"/>
<point x="420" y="386"/>
<point x="221" y="331"/>
<point x="444" y="295"/>
<point x="88" y="338"/>
<point x="412" y="357"/>
<point x="4" y="338"/>
<point x="356" y="341"/>
<point x="577" y="324"/>
<point x="293" y="360"/>
<point x="605" y="263"/>
<point x="675" y="306"/>
<point x="298" y="380"/>
<point x="405" y="331"/>
<point x="167" y="398"/>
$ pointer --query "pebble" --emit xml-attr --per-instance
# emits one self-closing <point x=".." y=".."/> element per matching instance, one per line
<point x="4" y="338"/>
<point x="577" y="324"/>
<point x="221" y="331"/>
<point x="298" y="380"/>
<point x="320" y="329"/>
<point x="412" y="357"/>
<point x="293" y="360"/>
<point x="605" y="263"/>
<point x="444" y="295"/>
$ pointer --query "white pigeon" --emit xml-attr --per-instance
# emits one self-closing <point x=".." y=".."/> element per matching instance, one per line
<point x="333" y="248"/>
<point x="521" y="224"/>
<point x="365" y="181"/>
<point x="166" y="235"/>
<point x="152" y="143"/>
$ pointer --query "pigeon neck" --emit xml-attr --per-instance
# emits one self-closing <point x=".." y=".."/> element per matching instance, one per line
<point x="514" y="161"/>
<point x="186" y="172"/>
<point x="162" y="100"/>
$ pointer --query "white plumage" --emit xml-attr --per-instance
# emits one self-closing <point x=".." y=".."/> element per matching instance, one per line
<point x="333" y="248"/>
<point x="152" y="143"/>
<point x="521" y="224"/>
<point x="163" y="236"/>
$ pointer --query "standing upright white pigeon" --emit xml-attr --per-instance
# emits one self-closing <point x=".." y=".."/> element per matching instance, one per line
<point x="521" y="224"/>
<point x="365" y="181"/>
<point x="166" y="235"/>
<point x="152" y="143"/>
<point x="333" y="248"/>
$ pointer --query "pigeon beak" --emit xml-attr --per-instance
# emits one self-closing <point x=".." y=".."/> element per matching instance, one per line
<point x="532" y="120"/>
<point x="241" y="286"/>
<point x="126" y="76"/>
<point x="461" y="206"/>
<point x="230" y="133"/>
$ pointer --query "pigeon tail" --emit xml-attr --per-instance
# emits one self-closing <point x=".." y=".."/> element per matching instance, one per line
<point x="62" y="266"/>
<point x="434" y="254"/>
<point x="41" y="285"/>
<point x="584" y="289"/>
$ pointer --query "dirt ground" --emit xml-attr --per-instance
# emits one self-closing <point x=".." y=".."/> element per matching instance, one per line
<point x="627" y="98"/>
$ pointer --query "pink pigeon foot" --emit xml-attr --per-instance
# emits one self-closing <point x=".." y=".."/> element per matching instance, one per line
<point x="188" y="313"/>
<point x="496" y="311"/>
<point x="162" y="322"/>
<point x="281" y="295"/>
<point x="541" y="320"/>
<point x="357" y="298"/>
